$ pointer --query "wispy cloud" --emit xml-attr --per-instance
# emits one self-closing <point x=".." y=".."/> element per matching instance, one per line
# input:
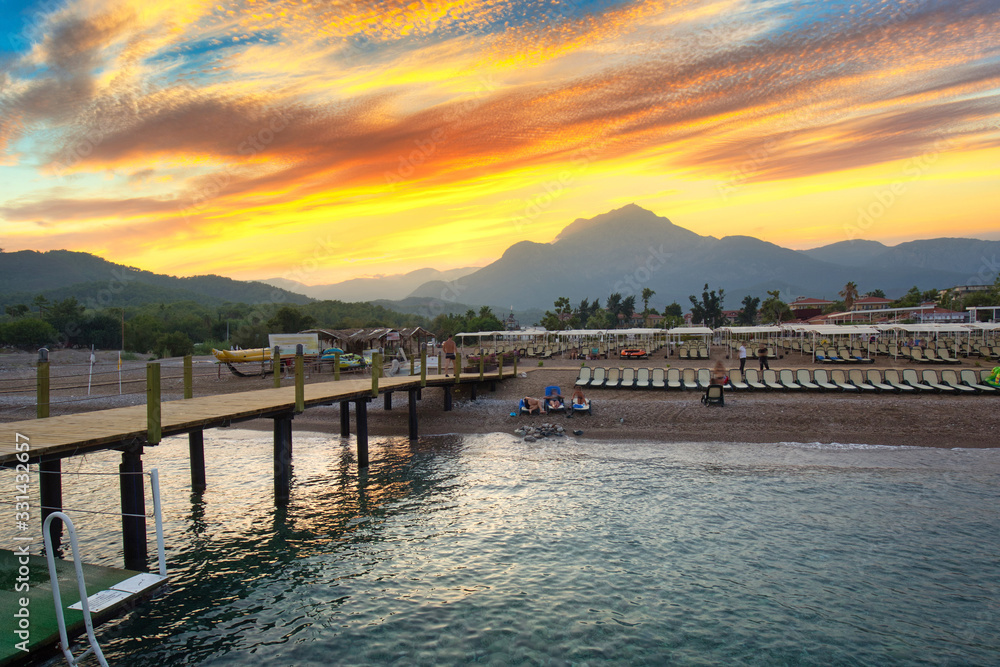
<point x="194" y="117"/>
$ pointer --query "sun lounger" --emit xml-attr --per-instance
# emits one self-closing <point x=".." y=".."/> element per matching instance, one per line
<point x="910" y="378"/>
<point x="822" y="378"/>
<point x="682" y="353"/>
<point x="787" y="379"/>
<point x="875" y="379"/>
<point x="917" y="355"/>
<point x="856" y="377"/>
<point x="971" y="379"/>
<point x="628" y="378"/>
<point x="949" y="377"/>
<point x="752" y="377"/>
<point x="600" y="377"/>
<point x="674" y="379"/>
<point x="930" y="377"/>
<point x="804" y="380"/>
<point x="688" y="379"/>
<point x="831" y="355"/>
<point x="839" y="378"/>
<point x="704" y="378"/>
<point x="714" y="395"/>
<point x="931" y="356"/>
<point x="586" y="406"/>
<point x="614" y="378"/>
<point x="770" y="379"/>
<point x="861" y="357"/>
<point x="821" y="355"/>
<point x="736" y="380"/>
<point x="703" y="353"/>
<point x="892" y="378"/>
<point x="658" y="381"/>
<point x="945" y="356"/>
<point x="585" y="377"/>
<point x="554" y="402"/>
<point x="642" y="378"/>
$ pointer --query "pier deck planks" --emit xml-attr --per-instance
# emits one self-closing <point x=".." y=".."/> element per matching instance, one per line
<point x="88" y="431"/>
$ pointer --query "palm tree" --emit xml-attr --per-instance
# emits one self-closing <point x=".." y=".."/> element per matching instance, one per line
<point x="849" y="293"/>
<point x="647" y="294"/>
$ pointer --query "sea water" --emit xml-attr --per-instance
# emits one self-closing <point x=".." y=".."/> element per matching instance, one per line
<point x="489" y="550"/>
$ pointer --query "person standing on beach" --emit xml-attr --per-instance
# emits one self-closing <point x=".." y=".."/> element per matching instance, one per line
<point x="449" y="348"/>
<point x="762" y="356"/>
<point x="743" y="355"/>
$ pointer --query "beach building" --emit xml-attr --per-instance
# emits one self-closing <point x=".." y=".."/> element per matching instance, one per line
<point x="805" y="307"/>
<point x="865" y="303"/>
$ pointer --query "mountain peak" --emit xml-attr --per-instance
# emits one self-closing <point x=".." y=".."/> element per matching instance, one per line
<point x="631" y="213"/>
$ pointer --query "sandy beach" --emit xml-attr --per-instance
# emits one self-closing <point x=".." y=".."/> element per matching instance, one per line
<point x="923" y="420"/>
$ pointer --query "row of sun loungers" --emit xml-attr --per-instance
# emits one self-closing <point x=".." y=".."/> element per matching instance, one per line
<point x="908" y="380"/>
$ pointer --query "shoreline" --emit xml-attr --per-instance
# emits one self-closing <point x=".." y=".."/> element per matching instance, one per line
<point x="920" y="420"/>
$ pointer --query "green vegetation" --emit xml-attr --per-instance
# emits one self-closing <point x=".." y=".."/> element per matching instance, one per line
<point x="708" y="311"/>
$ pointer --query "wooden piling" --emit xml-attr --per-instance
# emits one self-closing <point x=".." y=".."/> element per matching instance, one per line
<point x="42" y="400"/>
<point x="447" y="398"/>
<point x="412" y="399"/>
<point x="376" y="368"/>
<point x="423" y="367"/>
<point x="276" y="368"/>
<point x="515" y="363"/>
<point x="458" y="366"/>
<point x="196" y="454"/>
<point x="345" y="419"/>
<point x="361" y="414"/>
<point x="387" y="402"/>
<point x="282" y="459"/>
<point x="188" y="378"/>
<point x="153" y="414"/>
<point x="300" y="389"/>
<point x="133" y="503"/>
<point x="50" y="494"/>
<point x="336" y="365"/>
<point x="482" y="364"/>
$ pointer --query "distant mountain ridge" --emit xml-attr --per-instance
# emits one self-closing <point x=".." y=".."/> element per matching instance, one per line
<point x="391" y="287"/>
<point x="630" y="248"/>
<point x="98" y="283"/>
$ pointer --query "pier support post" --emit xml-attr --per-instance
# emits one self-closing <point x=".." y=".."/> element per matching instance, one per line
<point x="196" y="452"/>
<point x="188" y="377"/>
<point x="153" y="426"/>
<point x="413" y="412"/>
<point x="300" y="389"/>
<point x="282" y="459"/>
<point x="42" y="400"/>
<point x="387" y="396"/>
<point x="447" y="398"/>
<point x="133" y="508"/>
<point x="423" y="366"/>
<point x="336" y="366"/>
<point x="361" y="410"/>
<point x="276" y="366"/>
<point x="50" y="495"/>
<point x="345" y="419"/>
<point x="472" y="391"/>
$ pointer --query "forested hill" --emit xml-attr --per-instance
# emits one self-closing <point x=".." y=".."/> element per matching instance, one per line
<point x="98" y="283"/>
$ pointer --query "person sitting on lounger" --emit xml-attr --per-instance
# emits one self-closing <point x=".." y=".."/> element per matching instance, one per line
<point x="533" y="404"/>
<point x="719" y="375"/>
<point x="554" y="402"/>
<point x="578" y="399"/>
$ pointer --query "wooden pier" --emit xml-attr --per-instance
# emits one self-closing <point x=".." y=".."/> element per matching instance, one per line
<point x="130" y="429"/>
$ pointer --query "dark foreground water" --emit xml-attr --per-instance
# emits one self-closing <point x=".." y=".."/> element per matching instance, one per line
<point x="488" y="550"/>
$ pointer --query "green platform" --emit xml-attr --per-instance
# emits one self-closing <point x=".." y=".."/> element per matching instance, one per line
<point x="44" y="628"/>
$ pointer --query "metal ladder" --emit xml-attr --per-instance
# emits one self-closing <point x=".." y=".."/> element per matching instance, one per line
<point x="95" y="648"/>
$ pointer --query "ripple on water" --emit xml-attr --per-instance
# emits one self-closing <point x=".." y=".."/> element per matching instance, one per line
<point x="489" y="550"/>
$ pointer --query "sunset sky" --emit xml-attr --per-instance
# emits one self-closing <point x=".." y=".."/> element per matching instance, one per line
<point x="322" y="141"/>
